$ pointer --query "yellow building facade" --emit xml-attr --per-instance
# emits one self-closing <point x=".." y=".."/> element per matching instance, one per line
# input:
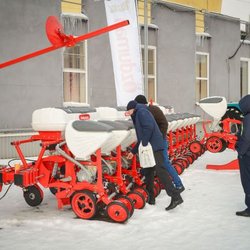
<point x="201" y="6"/>
<point x="71" y="6"/>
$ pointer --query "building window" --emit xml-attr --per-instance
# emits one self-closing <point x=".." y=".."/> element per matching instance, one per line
<point x="244" y="76"/>
<point x="202" y="76"/>
<point x="74" y="73"/>
<point x="151" y="72"/>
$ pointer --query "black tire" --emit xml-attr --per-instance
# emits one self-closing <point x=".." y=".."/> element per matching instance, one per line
<point x="33" y="195"/>
<point x="224" y="145"/>
<point x="233" y="113"/>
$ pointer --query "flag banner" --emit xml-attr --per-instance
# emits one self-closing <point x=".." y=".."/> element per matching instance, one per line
<point x="125" y="49"/>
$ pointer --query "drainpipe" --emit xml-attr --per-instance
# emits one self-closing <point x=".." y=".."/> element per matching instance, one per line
<point x="146" y="48"/>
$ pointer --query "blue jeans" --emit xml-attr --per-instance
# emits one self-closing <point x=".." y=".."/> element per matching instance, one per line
<point x="170" y="169"/>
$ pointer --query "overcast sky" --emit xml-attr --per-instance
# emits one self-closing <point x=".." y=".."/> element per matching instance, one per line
<point x="237" y="8"/>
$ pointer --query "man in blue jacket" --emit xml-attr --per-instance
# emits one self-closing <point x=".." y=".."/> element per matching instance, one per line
<point x="243" y="149"/>
<point x="147" y="131"/>
<point x="162" y="123"/>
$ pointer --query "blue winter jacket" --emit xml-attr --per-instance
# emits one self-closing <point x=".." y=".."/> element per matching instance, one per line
<point x="146" y="129"/>
<point x="243" y="143"/>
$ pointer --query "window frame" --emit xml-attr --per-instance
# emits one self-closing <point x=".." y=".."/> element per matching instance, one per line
<point x="80" y="71"/>
<point x="245" y="59"/>
<point x="203" y="78"/>
<point x="150" y="76"/>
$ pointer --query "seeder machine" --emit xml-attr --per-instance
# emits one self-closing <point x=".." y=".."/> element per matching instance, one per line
<point x="70" y="164"/>
<point x="181" y="133"/>
<point x="83" y="160"/>
<point x="222" y="133"/>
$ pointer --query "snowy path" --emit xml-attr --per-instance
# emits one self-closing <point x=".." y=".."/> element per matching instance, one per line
<point x="205" y="221"/>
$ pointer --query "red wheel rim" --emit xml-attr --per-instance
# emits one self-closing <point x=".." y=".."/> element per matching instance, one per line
<point x="117" y="211"/>
<point x="178" y="167"/>
<point x="184" y="163"/>
<point x="83" y="204"/>
<point x="189" y="158"/>
<point x="214" y="144"/>
<point x="157" y="187"/>
<point x="128" y="203"/>
<point x="195" y="155"/>
<point x="195" y="147"/>
<point x="144" y="192"/>
<point x="138" y="199"/>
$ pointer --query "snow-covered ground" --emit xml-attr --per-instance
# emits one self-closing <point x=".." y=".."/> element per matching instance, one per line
<point x="206" y="219"/>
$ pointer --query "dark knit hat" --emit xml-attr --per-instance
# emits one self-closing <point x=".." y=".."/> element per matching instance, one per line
<point x="141" y="99"/>
<point x="131" y="105"/>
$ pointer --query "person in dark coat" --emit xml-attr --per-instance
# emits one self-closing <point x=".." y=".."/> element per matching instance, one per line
<point x="243" y="149"/>
<point x="147" y="131"/>
<point x="162" y="122"/>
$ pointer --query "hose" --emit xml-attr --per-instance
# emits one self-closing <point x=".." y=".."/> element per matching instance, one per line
<point x="6" y="191"/>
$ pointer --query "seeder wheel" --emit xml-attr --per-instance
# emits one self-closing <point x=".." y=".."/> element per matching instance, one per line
<point x="143" y="191"/>
<point x="189" y="157"/>
<point x="83" y="203"/>
<point x="33" y="195"/>
<point x="195" y="147"/>
<point x="117" y="211"/>
<point x="128" y="202"/>
<point x="215" y="144"/>
<point x="184" y="162"/>
<point x="178" y="167"/>
<point x="157" y="186"/>
<point x="138" y="199"/>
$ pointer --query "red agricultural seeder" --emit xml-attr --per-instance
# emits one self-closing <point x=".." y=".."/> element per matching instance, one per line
<point x="80" y="161"/>
<point x="181" y="133"/>
<point x="222" y="133"/>
<point x="61" y="173"/>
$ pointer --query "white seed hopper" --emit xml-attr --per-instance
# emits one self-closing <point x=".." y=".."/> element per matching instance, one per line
<point x="107" y="113"/>
<point x="216" y="107"/>
<point x="56" y="119"/>
<point x="131" y="138"/>
<point x="83" y="138"/>
<point x="119" y="133"/>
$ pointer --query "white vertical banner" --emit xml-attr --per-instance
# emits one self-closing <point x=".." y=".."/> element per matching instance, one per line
<point x="125" y="49"/>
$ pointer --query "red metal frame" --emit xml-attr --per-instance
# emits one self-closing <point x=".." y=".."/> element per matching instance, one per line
<point x="67" y="41"/>
<point x="224" y="134"/>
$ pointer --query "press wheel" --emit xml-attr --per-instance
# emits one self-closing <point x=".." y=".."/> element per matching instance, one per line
<point x="83" y="203"/>
<point x="117" y="211"/>
<point x="137" y="198"/>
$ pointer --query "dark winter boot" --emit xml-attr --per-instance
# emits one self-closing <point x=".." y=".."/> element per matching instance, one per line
<point x="180" y="189"/>
<point x="151" y="200"/>
<point x="245" y="213"/>
<point x="175" y="201"/>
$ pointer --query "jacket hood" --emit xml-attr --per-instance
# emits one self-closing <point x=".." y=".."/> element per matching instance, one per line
<point x="141" y="106"/>
<point x="137" y="107"/>
<point x="245" y="104"/>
